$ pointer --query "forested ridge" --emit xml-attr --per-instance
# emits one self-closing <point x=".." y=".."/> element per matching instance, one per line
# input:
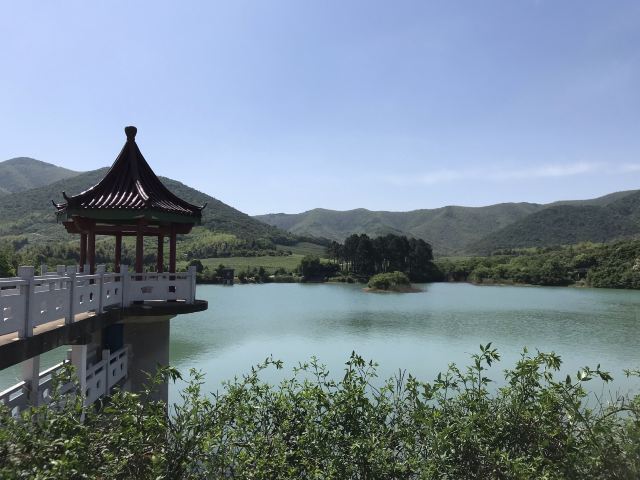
<point x="615" y="265"/>
<point x="456" y="230"/>
<point x="29" y="233"/>
<point x="24" y="173"/>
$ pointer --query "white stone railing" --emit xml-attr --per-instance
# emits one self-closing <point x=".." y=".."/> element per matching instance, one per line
<point x="29" y="301"/>
<point x="99" y="380"/>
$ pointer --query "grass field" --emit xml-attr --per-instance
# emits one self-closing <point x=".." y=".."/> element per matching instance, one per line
<point x="270" y="263"/>
<point x="305" y="248"/>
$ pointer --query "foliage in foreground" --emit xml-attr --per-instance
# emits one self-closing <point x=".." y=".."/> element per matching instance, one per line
<point x="358" y="427"/>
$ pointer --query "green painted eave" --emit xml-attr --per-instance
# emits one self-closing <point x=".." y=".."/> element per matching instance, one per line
<point x="123" y="216"/>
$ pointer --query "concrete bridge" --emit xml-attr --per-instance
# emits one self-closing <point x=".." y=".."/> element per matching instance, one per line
<point x="117" y="325"/>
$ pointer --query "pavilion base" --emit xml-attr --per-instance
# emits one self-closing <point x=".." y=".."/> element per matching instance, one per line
<point x="148" y="338"/>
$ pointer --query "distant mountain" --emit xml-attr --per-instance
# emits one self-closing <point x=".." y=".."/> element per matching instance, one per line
<point x="566" y="223"/>
<point x="31" y="213"/>
<point x="26" y="211"/>
<point x="599" y="201"/>
<point x="448" y="229"/>
<point x="24" y="173"/>
<point x="460" y="230"/>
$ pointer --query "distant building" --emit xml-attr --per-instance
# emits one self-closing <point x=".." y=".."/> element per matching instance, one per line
<point x="228" y="275"/>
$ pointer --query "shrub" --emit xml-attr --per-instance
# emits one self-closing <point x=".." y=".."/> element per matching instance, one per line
<point x="387" y="281"/>
<point x="353" y="427"/>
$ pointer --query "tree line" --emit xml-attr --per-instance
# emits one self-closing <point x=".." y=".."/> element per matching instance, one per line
<point x="362" y="255"/>
<point x="613" y="265"/>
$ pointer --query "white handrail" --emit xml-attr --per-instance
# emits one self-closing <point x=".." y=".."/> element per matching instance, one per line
<point x="101" y="377"/>
<point x="30" y="301"/>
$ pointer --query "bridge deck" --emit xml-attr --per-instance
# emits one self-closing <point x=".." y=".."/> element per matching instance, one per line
<point x="45" y="327"/>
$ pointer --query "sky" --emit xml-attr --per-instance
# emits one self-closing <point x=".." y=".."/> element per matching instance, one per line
<point x="284" y="106"/>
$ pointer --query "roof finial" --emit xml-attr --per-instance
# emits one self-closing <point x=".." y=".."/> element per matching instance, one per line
<point x="131" y="133"/>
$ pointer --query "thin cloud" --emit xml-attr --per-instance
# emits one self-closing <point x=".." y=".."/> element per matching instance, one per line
<point x="630" y="167"/>
<point x="502" y="174"/>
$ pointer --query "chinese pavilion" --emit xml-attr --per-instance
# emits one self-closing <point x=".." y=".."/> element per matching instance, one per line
<point x="129" y="201"/>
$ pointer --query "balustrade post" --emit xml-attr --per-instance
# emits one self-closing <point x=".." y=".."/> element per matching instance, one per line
<point x="100" y="269"/>
<point x="106" y="358"/>
<point x="71" y="273"/>
<point x="31" y="378"/>
<point x="61" y="271"/>
<point x="79" y="361"/>
<point x="26" y="274"/>
<point x="124" y="279"/>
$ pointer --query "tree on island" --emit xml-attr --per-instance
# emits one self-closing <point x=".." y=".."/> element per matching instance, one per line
<point x="362" y="255"/>
<point x="391" y="281"/>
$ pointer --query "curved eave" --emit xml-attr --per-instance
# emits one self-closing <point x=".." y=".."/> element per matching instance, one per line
<point x="128" y="216"/>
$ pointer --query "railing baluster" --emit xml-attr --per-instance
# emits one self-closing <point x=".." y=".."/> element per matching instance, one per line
<point x="28" y="301"/>
<point x="26" y="273"/>
<point x="71" y="273"/>
<point x="100" y="271"/>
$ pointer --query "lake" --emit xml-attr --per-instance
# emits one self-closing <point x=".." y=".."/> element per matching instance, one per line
<point x="419" y="332"/>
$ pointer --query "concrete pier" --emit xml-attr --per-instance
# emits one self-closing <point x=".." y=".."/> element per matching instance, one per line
<point x="148" y="338"/>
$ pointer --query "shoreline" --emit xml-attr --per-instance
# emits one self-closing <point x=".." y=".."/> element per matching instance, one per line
<point x="396" y="289"/>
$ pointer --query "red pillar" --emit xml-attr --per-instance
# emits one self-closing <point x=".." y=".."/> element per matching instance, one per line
<point x="91" y="250"/>
<point x="172" y="250"/>
<point x="139" y="249"/>
<point x="83" y="251"/>
<point x="118" y="259"/>
<point x="160" y="260"/>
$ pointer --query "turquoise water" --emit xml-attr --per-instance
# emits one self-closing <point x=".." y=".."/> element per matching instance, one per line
<point x="419" y="332"/>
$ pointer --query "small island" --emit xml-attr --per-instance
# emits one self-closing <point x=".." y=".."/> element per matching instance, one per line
<point x="391" y="282"/>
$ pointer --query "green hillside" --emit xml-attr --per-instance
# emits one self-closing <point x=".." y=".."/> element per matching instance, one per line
<point x="23" y="173"/>
<point x="455" y="229"/>
<point x="27" y="217"/>
<point x="30" y="213"/>
<point x="447" y="229"/>
<point x="599" y="201"/>
<point x="564" y="224"/>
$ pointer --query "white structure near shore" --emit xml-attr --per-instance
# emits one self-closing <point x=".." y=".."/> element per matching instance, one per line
<point x="32" y="305"/>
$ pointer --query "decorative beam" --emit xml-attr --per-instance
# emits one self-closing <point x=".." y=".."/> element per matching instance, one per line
<point x="83" y="225"/>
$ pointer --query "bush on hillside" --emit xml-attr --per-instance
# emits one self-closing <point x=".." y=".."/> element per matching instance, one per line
<point x="598" y="265"/>
<point x="312" y="268"/>
<point x="389" y="281"/>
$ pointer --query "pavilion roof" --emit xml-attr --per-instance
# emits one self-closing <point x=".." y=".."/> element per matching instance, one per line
<point x="128" y="192"/>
